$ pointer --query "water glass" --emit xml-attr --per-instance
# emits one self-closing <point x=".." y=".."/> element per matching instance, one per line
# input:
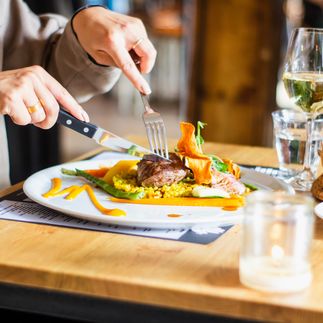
<point x="290" y="141"/>
<point x="277" y="232"/>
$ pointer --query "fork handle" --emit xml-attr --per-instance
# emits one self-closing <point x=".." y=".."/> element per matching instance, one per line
<point x="144" y="97"/>
<point x="145" y="101"/>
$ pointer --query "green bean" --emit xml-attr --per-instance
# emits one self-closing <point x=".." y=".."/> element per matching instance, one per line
<point x="251" y="186"/>
<point x="69" y="172"/>
<point x="104" y="185"/>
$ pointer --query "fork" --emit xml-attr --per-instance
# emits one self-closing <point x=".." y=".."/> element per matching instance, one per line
<point x="155" y="128"/>
<point x="154" y="124"/>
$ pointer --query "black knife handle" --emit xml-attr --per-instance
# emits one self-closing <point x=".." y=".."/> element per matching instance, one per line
<point x="69" y="121"/>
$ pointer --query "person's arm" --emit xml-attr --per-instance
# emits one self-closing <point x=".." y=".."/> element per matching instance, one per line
<point x="108" y="37"/>
<point x="48" y="41"/>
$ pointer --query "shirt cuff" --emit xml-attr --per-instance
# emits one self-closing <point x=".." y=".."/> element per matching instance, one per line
<point x="85" y="7"/>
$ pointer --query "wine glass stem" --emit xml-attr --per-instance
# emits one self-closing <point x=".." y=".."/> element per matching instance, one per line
<point x="309" y="146"/>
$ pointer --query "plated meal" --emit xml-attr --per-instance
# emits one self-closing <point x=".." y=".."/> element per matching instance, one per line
<point x="189" y="178"/>
<point x="107" y="190"/>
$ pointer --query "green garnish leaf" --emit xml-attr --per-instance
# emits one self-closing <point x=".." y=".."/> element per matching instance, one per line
<point x="219" y="165"/>
<point x="188" y="180"/>
<point x="132" y="150"/>
<point x="198" y="137"/>
<point x="251" y="187"/>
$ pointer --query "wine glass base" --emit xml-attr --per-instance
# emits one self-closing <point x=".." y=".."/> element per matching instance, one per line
<point x="300" y="184"/>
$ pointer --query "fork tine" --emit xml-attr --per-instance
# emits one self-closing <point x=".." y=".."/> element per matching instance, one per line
<point x="156" y="134"/>
<point x="149" y="136"/>
<point x="155" y="137"/>
<point x="164" y="136"/>
<point x="160" y="140"/>
<point x="155" y="128"/>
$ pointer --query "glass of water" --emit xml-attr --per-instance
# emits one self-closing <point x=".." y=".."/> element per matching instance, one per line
<point x="290" y="141"/>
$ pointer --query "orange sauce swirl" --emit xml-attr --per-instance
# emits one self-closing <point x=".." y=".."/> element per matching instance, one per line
<point x="73" y="191"/>
<point x="174" y="215"/>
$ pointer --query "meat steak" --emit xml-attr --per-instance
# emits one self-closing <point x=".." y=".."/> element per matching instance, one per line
<point x="158" y="172"/>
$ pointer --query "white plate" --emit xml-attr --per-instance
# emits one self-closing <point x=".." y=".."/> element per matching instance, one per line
<point x="318" y="210"/>
<point x="151" y="216"/>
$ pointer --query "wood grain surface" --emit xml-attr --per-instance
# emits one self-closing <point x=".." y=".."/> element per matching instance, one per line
<point x="235" y="64"/>
<point x="201" y="278"/>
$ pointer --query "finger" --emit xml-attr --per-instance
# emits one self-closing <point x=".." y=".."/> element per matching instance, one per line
<point x="18" y="113"/>
<point x="147" y="53"/>
<point x="124" y="61"/>
<point x="63" y="97"/>
<point x="49" y="103"/>
<point x="36" y="112"/>
<point x="33" y="106"/>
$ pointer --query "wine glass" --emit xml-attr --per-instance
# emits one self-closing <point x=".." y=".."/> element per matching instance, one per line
<point x="303" y="80"/>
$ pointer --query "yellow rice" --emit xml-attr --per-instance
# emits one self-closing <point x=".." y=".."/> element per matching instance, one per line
<point x="128" y="183"/>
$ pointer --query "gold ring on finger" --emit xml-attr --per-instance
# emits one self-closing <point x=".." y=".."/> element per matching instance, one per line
<point x="34" y="108"/>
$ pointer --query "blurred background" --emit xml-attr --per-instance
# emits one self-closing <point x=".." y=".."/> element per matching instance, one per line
<point x="218" y="61"/>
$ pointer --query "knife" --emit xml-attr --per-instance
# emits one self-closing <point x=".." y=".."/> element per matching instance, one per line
<point x="102" y="137"/>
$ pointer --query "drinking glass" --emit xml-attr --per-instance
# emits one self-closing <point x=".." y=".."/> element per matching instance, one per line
<point x="303" y="80"/>
<point x="290" y="139"/>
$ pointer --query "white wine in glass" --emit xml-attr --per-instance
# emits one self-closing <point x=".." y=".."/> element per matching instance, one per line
<point x="303" y="80"/>
<point x="306" y="90"/>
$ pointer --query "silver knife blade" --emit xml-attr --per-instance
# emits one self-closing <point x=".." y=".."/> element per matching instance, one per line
<point x="103" y="137"/>
<point x="110" y="140"/>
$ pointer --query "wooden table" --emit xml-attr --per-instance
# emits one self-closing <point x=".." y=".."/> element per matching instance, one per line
<point x="78" y="273"/>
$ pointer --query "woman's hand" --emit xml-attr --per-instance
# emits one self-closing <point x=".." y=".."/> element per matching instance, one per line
<point x="31" y="95"/>
<point x="108" y="37"/>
